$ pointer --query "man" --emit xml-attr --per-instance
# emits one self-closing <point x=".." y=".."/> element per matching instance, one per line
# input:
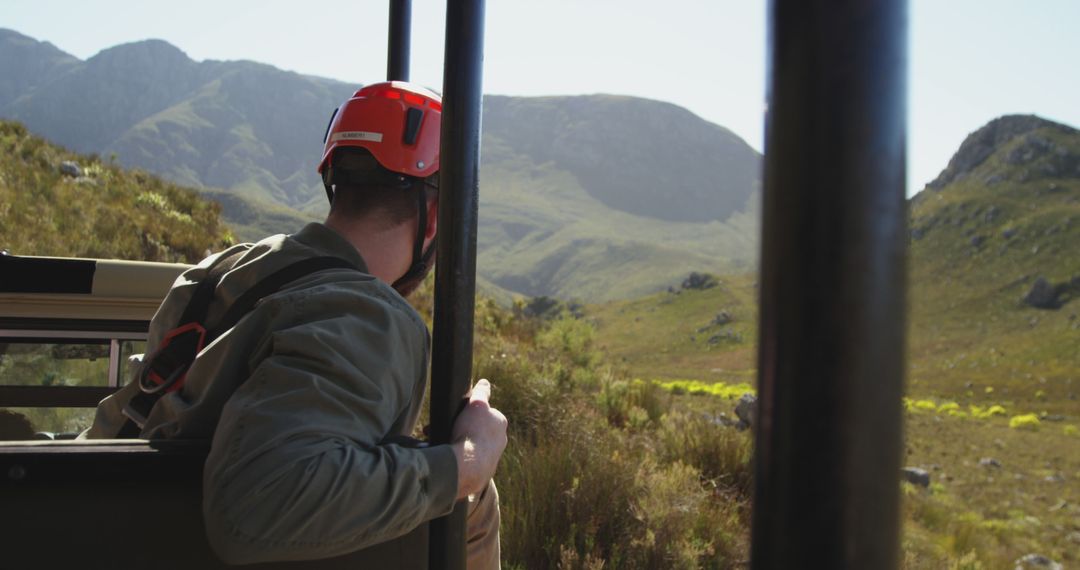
<point x="310" y="396"/>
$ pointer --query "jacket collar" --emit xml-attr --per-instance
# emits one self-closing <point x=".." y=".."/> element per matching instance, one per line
<point x="324" y="239"/>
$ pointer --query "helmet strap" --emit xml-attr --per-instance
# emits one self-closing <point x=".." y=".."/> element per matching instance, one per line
<point x="421" y="260"/>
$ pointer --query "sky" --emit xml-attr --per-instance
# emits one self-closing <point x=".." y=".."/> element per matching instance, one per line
<point x="970" y="60"/>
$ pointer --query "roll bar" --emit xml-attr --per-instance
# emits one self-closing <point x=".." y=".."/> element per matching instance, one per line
<point x="833" y="281"/>
<point x="455" y="268"/>
<point x="399" y="40"/>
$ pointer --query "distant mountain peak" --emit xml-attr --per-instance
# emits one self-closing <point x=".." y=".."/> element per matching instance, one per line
<point x="20" y="42"/>
<point x="640" y="156"/>
<point x="7" y="33"/>
<point x="981" y="144"/>
<point x="26" y="63"/>
<point x="153" y="50"/>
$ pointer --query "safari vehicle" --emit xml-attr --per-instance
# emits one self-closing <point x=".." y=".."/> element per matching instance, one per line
<point x="831" y="351"/>
<point x="67" y="328"/>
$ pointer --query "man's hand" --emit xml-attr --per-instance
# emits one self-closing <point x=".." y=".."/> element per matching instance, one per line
<point x="479" y="438"/>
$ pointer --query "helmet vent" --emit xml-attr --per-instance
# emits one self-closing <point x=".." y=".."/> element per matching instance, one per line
<point x="412" y="125"/>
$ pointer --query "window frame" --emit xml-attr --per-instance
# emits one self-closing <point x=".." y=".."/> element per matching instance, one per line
<point x="57" y="331"/>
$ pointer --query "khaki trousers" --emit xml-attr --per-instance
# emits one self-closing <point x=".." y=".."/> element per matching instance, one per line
<point x="482" y="530"/>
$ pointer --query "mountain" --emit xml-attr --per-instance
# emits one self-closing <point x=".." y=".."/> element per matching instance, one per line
<point x="241" y="126"/>
<point x="26" y="63"/>
<point x="595" y="197"/>
<point x="643" y="157"/>
<point x="996" y="259"/>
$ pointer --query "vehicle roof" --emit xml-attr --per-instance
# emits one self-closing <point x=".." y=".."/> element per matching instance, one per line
<point x="75" y="288"/>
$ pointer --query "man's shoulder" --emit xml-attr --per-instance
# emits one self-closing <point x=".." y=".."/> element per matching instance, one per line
<point x="339" y="297"/>
<point x="341" y="291"/>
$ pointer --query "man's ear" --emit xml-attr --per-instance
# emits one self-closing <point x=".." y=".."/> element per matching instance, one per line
<point x="432" y="219"/>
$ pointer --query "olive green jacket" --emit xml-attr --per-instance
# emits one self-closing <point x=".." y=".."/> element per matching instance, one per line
<point x="299" y="398"/>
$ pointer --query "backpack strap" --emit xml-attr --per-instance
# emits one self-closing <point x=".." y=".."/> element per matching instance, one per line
<point x="166" y="368"/>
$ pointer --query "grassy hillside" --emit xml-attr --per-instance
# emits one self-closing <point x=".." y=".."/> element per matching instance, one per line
<point x="104" y="212"/>
<point x="978" y="246"/>
<point x="252" y="219"/>
<point x="708" y="335"/>
<point x="993" y="382"/>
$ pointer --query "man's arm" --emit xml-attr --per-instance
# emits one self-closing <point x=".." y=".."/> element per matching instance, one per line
<point x="296" y="470"/>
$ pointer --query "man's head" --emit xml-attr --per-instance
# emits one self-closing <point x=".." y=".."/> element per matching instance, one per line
<point x="380" y="169"/>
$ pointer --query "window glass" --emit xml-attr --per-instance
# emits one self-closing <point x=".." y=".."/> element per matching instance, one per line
<point x="54" y="363"/>
<point x="43" y="423"/>
<point x="129" y="348"/>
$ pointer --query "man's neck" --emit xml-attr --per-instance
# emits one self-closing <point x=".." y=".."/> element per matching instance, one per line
<point x="386" y="251"/>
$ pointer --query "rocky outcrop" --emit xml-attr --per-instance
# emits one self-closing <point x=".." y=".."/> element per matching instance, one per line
<point x="984" y="142"/>
<point x="1037" y="562"/>
<point x="722" y="318"/>
<point x="915" y="476"/>
<point x="746" y="410"/>
<point x="1042" y="295"/>
<point x="699" y="281"/>
<point x="70" y="168"/>
<point x="1046" y="295"/>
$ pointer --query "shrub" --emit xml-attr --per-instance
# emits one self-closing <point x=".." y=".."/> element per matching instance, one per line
<point x="590" y="478"/>
<point x="699" y="388"/>
<point x="981" y="413"/>
<point x="925" y="405"/>
<point x="618" y="400"/>
<point x="948" y="407"/>
<point x="721" y="454"/>
<point x="1025" y="421"/>
<point x="571" y="339"/>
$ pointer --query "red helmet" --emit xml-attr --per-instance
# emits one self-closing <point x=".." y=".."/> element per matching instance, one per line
<point x="397" y="122"/>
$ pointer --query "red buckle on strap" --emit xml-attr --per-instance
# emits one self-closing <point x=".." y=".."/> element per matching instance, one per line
<point x="175" y="379"/>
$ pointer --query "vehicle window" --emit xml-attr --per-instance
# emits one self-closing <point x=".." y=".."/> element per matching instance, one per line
<point x="59" y="363"/>
<point x="128" y="348"/>
<point x="43" y="423"/>
<point x="54" y="363"/>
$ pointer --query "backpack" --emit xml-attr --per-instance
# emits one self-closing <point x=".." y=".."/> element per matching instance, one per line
<point x="166" y="368"/>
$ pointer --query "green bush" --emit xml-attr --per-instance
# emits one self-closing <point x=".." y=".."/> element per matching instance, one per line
<point x="721" y="453"/>
<point x="1025" y="421"/>
<point x="590" y="478"/>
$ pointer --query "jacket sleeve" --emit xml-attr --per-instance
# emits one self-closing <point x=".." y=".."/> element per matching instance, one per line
<point x="297" y="469"/>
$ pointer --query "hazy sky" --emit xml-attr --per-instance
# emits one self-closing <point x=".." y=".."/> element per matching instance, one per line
<point x="971" y="60"/>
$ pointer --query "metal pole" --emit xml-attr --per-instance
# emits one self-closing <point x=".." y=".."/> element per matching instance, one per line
<point x="833" y="282"/>
<point x="455" y="269"/>
<point x="399" y="40"/>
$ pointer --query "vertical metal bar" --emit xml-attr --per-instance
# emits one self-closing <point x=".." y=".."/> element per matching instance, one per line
<point x="833" y="287"/>
<point x="455" y="269"/>
<point x="114" y="363"/>
<point x="399" y="40"/>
